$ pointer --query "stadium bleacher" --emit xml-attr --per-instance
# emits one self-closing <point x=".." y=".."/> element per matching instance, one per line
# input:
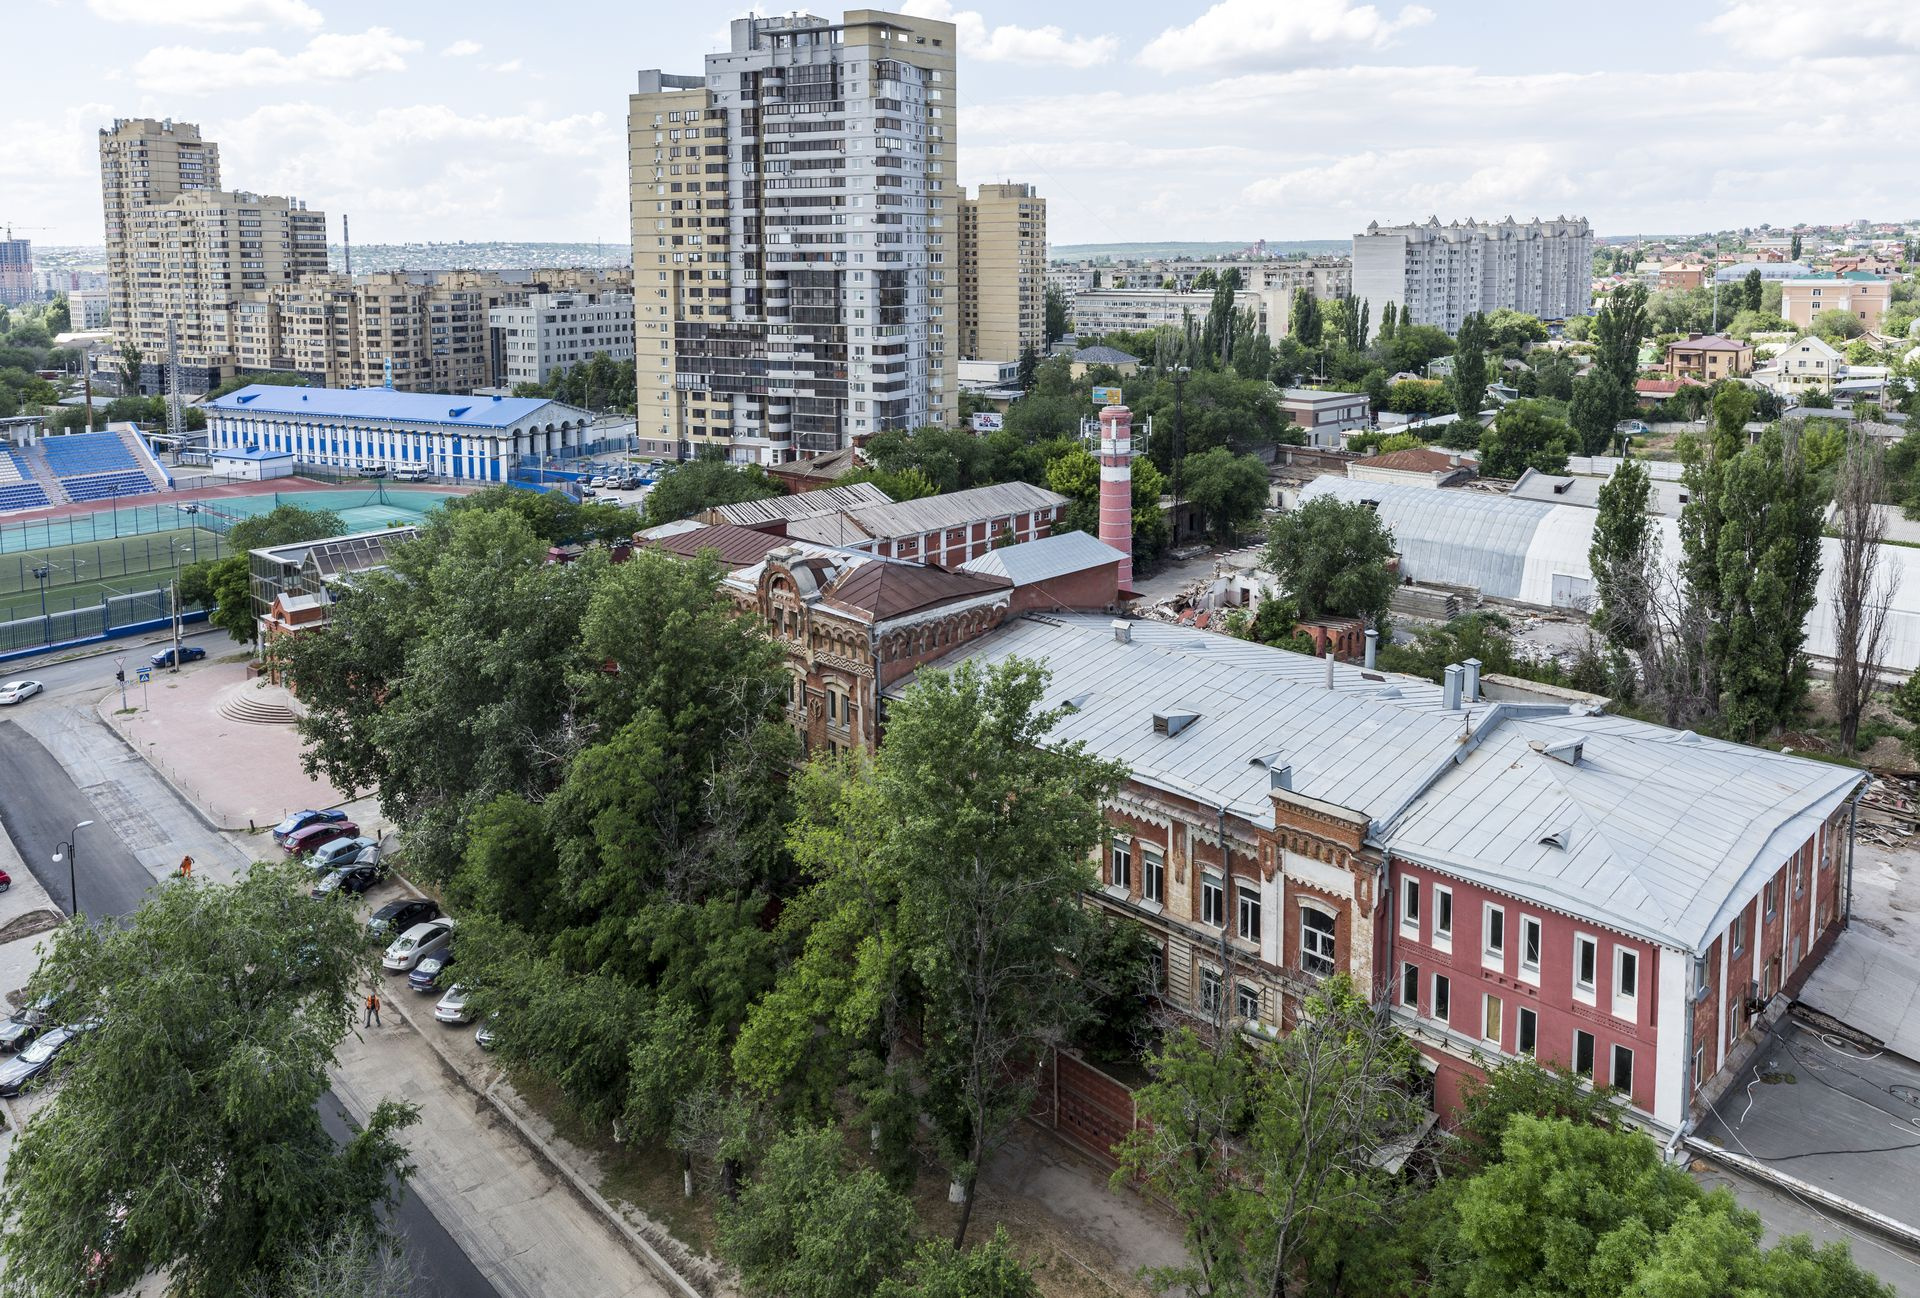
<point x="18" y="490"/>
<point x="99" y="486"/>
<point x="77" y="454"/>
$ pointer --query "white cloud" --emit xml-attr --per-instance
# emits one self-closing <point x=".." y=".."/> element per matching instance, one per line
<point x="1011" y="44"/>
<point x="461" y="50"/>
<point x="1262" y="34"/>
<point x="431" y="171"/>
<point x="511" y="65"/>
<point x="210" y="15"/>
<point x="1785" y="29"/>
<point x="329" y="57"/>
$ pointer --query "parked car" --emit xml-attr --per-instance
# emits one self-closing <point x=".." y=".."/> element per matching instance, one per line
<point x="19" y="1028"/>
<point x="188" y="654"/>
<point x="302" y="841"/>
<point x="412" y="473"/>
<point x="32" y="1064"/>
<point x="485" y="1037"/>
<point x="301" y="819"/>
<point x="373" y="470"/>
<point x="19" y="691"/>
<point x="597" y="480"/>
<point x="426" y="975"/>
<point x="359" y="850"/>
<point x="453" y="1007"/>
<point x="417" y="943"/>
<point x="399" y="916"/>
<point x="354" y="879"/>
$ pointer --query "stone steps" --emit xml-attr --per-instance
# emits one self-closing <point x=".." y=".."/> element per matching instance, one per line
<point x="255" y="704"/>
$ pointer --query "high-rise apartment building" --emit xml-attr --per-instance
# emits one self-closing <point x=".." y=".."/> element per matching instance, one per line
<point x="16" y="271"/>
<point x="556" y="331"/>
<point x="1003" y="273"/>
<point x="143" y="163"/>
<point x="1440" y="274"/>
<point x="795" y="238"/>
<point x="193" y="260"/>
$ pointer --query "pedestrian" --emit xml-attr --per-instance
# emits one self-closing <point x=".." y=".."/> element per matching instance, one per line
<point x="373" y="1010"/>
<point x="186" y="867"/>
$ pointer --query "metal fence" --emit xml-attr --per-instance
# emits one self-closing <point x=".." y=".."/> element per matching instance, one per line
<point x="103" y="525"/>
<point x="89" y="622"/>
<point x="83" y="564"/>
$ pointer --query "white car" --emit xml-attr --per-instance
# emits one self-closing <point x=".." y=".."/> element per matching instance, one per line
<point x="416" y="943"/>
<point x="18" y="691"/>
<point x="453" y="1007"/>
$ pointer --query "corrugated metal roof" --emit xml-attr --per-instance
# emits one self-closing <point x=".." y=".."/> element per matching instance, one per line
<point x="930" y="513"/>
<point x="1665" y="832"/>
<point x="493" y="413"/>
<point x="884" y="590"/>
<point x="1050" y="556"/>
<point x="774" y="509"/>
<point x="736" y="546"/>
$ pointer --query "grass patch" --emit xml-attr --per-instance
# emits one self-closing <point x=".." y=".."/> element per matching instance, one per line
<point x="81" y="574"/>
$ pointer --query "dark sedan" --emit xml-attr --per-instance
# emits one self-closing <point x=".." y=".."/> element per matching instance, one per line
<point x="354" y="879"/>
<point x="299" y="820"/>
<point x="188" y="654"/>
<point x="302" y="841"/>
<point x="426" y="975"/>
<point x="399" y="916"/>
<point x="32" y="1064"/>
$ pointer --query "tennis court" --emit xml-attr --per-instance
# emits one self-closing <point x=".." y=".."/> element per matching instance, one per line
<point x="361" y="508"/>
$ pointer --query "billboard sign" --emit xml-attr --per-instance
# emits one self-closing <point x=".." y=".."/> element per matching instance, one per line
<point x="1104" y="397"/>
<point x="985" y="421"/>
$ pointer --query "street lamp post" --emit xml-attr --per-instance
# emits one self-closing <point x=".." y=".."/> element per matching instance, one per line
<point x="66" y="848"/>
<point x="40" y="575"/>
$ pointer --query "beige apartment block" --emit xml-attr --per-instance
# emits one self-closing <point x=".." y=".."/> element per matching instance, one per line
<point x="1865" y="297"/>
<point x="1003" y="272"/>
<point x="796" y="268"/>
<point x="144" y="162"/>
<point x="193" y="260"/>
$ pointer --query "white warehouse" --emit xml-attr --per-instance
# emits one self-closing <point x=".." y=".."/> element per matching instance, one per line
<point x="423" y="434"/>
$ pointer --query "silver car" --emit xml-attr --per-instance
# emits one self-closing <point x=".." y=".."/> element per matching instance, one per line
<point x="417" y="943"/>
<point x="342" y="852"/>
<point x="18" y="691"/>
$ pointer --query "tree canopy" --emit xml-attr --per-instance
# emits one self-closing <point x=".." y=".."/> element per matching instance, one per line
<point x="1524" y="436"/>
<point x="703" y="482"/>
<point x="1331" y="556"/>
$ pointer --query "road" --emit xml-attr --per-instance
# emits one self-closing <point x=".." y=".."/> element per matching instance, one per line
<point x="41" y="803"/>
<point x="95" y="671"/>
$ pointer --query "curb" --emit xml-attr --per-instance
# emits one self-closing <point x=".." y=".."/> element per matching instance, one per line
<point x="206" y="817"/>
<point x="636" y="1243"/>
<point x="1885" y="1227"/>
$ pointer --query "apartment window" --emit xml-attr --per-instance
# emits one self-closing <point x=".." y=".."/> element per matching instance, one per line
<point x="1739" y="934"/>
<point x="1247" y="897"/>
<point x="1626" y="973"/>
<point x="1699" y="978"/>
<point x="1490" y="1028"/>
<point x="1210" y="989"/>
<point x="1410" y="986"/>
<point x="1442" y="997"/>
<point x="1586" y="961"/>
<point x="1442" y="913"/>
<point x="1122" y="876"/>
<point x="1410" y="904"/>
<point x="1246" y="1002"/>
<point x="1583" y="1053"/>
<point x="1530" y="944"/>
<point x="1623" y="1069"/>
<point x="1699" y="1066"/>
<point x="1213" y="901"/>
<point x="1793" y="875"/>
<point x="1153" y="874"/>
<point x="1494" y="933"/>
<point x="1526" y="1032"/>
<point x="1316" y="941"/>
<point x="1768" y="895"/>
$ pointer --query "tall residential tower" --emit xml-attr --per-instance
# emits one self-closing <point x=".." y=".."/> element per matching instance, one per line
<point x="1440" y="274"/>
<point x="796" y="238"/>
<point x="144" y="163"/>
<point x="1003" y="273"/>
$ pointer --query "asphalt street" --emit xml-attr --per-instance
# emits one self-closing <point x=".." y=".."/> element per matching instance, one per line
<point x="40" y="804"/>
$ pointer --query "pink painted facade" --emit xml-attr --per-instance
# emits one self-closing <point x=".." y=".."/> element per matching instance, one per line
<point x="1116" y="486"/>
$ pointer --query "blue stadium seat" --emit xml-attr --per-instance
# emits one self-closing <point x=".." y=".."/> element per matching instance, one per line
<point x="77" y="454"/>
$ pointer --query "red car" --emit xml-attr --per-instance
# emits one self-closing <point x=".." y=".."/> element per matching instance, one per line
<point x="302" y="841"/>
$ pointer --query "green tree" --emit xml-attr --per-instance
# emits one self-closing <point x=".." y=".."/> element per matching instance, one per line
<point x="59" y="316"/>
<point x="1732" y="405"/>
<point x="1229" y="490"/>
<point x="222" y="586"/>
<point x="1524" y="436"/>
<point x="1606" y="396"/>
<point x="1510" y="333"/>
<point x="988" y="1270"/>
<point x="1414" y="345"/>
<point x="1469" y="382"/>
<point x="186" y="1128"/>
<point x="703" y="482"/>
<point x="1029" y="368"/>
<point x="1754" y="281"/>
<point x="1331" y="557"/>
<point x="807" y="1225"/>
<point x="1623" y="556"/>
<point x="1059" y="314"/>
<point x="1793" y="253"/>
<point x="553" y="516"/>
<point x="1304" y="318"/>
<point x="1836" y="325"/>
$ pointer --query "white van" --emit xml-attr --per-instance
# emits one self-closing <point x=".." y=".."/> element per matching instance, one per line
<point x="412" y="473"/>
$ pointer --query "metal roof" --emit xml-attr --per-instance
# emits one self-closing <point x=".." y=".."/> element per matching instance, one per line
<point x="931" y="513"/>
<point x="774" y="509"/>
<point x="735" y="546"/>
<point x="384" y="405"/>
<point x="250" y="453"/>
<point x="1667" y="495"/>
<point x="1050" y="556"/>
<point x="1104" y="355"/>
<point x="1665" y="832"/>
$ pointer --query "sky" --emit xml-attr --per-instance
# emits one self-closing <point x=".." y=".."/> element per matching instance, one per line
<point x="1181" y="120"/>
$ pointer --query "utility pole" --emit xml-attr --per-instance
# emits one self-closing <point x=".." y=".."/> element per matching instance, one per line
<point x="1180" y="375"/>
<point x="173" y="601"/>
<point x="120" y="674"/>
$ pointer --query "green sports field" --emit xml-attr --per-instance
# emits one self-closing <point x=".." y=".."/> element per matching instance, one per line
<point x="78" y="576"/>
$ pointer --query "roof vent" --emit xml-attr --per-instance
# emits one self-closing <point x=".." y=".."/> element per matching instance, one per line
<point x="1390" y="692"/>
<point x="457" y="411"/>
<point x="1172" y="723"/>
<point x="1563" y="486"/>
<point x="1122" y="630"/>
<point x="1077" y="703"/>
<point x="1567" y="750"/>
<point x="1559" y="838"/>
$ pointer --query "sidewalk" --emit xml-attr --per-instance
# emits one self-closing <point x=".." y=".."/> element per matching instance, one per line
<point x="240" y="774"/>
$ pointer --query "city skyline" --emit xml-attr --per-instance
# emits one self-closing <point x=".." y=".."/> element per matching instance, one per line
<point x="1222" y="121"/>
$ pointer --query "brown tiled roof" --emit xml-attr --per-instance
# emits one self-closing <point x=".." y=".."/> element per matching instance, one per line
<point x="737" y="546"/>
<point x="1413" y="460"/>
<point x="1710" y="343"/>
<point x="884" y="590"/>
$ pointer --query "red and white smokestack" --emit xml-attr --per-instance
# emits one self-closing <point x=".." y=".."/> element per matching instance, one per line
<point x="1116" y="486"/>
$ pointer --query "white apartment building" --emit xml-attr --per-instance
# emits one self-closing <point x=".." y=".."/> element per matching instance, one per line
<point x="795" y="238"/>
<point x="556" y="331"/>
<point x="90" y="309"/>
<point x="1439" y="274"/>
